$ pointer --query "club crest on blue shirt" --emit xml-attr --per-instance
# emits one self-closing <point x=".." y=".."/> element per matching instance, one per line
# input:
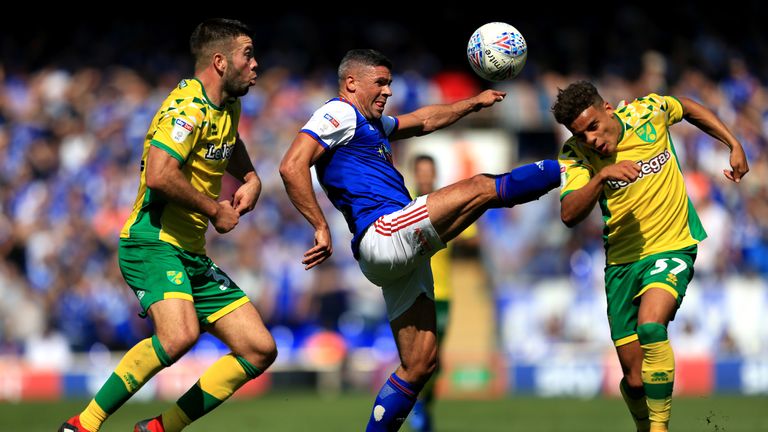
<point x="385" y="153"/>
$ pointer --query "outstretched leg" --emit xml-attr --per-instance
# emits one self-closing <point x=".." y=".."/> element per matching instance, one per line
<point x="455" y="207"/>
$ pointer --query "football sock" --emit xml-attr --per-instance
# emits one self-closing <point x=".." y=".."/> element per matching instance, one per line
<point x="528" y="182"/>
<point x="419" y="419"/>
<point x="392" y="405"/>
<point x="638" y="407"/>
<point x="137" y="366"/>
<point x="174" y="419"/>
<point x="421" y="413"/>
<point x="93" y="416"/>
<point x="427" y="394"/>
<point x="658" y="373"/>
<point x="216" y="385"/>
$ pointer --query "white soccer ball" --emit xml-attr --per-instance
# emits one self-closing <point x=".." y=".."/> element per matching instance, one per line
<point x="497" y="51"/>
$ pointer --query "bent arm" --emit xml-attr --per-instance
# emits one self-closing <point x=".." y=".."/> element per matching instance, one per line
<point x="241" y="168"/>
<point x="577" y="205"/>
<point x="240" y="165"/>
<point x="294" y="169"/>
<point x="433" y="117"/>
<point x="163" y="175"/>
<point x="704" y="119"/>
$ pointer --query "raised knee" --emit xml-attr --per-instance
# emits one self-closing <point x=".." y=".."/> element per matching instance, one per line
<point x="262" y="354"/>
<point x="269" y="353"/>
<point x="651" y="332"/>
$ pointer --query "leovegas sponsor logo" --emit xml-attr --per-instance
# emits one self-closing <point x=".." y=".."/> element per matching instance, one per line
<point x="652" y="166"/>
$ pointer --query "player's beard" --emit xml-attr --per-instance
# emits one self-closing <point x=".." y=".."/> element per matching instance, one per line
<point x="233" y="87"/>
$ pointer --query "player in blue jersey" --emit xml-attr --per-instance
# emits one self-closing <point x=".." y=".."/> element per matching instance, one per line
<point x="394" y="236"/>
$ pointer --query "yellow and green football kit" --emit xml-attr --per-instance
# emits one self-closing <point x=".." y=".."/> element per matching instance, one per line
<point x="162" y="244"/>
<point x="162" y="256"/>
<point x="201" y="136"/>
<point x="652" y="214"/>
<point x="650" y="235"/>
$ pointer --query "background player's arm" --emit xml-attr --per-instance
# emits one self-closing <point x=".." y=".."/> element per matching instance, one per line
<point x="241" y="168"/>
<point x="575" y="206"/>
<point x="704" y="119"/>
<point x="294" y="169"/>
<point x="433" y="117"/>
<point x="163" y="175"/>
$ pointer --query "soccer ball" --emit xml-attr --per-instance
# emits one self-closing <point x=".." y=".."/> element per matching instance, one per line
<point x="497" y="51"/>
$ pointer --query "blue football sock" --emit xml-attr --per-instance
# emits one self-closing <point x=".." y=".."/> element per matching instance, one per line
<point x="420" y="419"/>
<point x="528" y="182"/>
<point x="393" y="403"/>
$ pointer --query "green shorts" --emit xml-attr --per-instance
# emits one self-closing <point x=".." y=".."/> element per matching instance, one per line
<point x="157" y="270"/>
<point x="624" y="284"/>
<point x="441" y="311"/>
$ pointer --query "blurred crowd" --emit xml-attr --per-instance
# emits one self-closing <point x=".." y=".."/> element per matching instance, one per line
<point x="70" y="147"/>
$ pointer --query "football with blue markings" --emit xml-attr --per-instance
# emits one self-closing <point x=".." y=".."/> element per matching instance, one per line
<point x="497" y="51"/>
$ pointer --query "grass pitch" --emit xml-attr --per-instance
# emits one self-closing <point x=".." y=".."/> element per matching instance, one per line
<point x="309" y="412"/>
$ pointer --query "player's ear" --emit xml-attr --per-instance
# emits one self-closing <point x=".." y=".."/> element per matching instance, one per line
<point x="220" y="62"/>
<point x="350" y="83"/>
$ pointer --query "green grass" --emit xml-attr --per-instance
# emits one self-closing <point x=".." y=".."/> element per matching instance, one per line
<point x="307" y="412"/>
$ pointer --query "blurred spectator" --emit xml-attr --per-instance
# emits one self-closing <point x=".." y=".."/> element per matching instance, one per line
<point x="48" y="350"/>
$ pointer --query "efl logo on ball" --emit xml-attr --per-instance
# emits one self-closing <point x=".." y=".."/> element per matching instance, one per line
<point x="497" y="51"/>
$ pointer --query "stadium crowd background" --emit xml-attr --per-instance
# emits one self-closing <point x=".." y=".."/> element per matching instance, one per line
<point x="76" y="100"/>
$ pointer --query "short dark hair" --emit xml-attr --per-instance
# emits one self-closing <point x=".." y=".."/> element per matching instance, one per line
<point x="364" y="57"/>
<point x="209" y="35"/>
<point x="574" y="100"/>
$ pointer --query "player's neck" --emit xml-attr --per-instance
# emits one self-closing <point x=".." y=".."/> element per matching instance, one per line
<point x="349" y="97"/>
<point x="212" y="85"/>
<point x="352" y="99"/>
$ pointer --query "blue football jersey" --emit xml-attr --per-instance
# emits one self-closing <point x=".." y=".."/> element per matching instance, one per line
<point x="356" y="170"/>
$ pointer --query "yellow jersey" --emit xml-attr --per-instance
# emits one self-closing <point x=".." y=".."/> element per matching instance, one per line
<point x="441" y="265"/>
<point x="652" y="214"/>
<point x="201" y="136"/>
<point x="441" y="272"/>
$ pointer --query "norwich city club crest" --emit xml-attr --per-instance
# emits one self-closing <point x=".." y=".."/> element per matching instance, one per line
<point x="175" y="277"/>
<point x="646" y="132"/>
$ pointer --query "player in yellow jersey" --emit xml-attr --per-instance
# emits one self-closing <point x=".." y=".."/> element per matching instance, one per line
<point x="623" y="158"/>
<point x="190" y="144"/>
<point x="425" y="175"/>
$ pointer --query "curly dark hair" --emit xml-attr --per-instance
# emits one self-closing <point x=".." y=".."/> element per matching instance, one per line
<point x="573" y="100"/>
